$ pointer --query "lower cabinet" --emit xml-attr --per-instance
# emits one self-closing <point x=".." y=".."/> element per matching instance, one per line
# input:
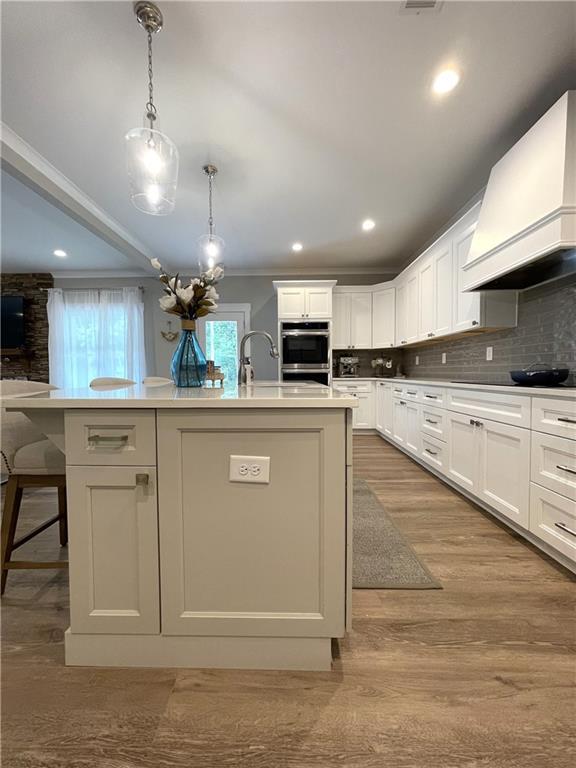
<point x="406" y="424"/>
<point x="286" y="537"/>
<point x="384" y="408"/>
<point x="553" y="519"/>
<point x="363" y="415"/>
<point x="492" y="461"/>
<point x="433" y="452"/>
<point x="113" y="550"/>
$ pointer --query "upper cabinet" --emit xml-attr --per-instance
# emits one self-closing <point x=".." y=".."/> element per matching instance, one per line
<point x="383" y="316"/>
<point x="300" y="299"/>
<point x="430" y="298"/>
<point x="352" y="318"/>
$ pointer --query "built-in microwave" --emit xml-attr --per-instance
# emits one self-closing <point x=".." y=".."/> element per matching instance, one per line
<point x="305" y="344"/>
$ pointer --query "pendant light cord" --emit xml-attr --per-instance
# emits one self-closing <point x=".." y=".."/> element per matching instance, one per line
<point x="210" y="217"/>
<point x="150" y="108"/>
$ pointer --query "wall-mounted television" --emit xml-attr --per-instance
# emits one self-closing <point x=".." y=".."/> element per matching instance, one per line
<point x="12" y="322"/>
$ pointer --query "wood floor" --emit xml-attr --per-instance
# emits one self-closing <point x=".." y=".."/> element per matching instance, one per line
<point x="480" y="674"/>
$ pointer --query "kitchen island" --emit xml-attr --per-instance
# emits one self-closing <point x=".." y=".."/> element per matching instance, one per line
<point x="208" y="528"/>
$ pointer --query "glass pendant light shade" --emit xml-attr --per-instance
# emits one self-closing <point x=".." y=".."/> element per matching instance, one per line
<point x="210" y="252"/>
<point x="152" y="160"/>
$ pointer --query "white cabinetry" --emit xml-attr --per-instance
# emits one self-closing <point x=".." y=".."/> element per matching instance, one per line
<point x="383" y="317"/>
<point x="435" y="291"/>
<point x="384" y="407"/>
<point x="300" y="299"/>
<point x="352" y="319"/>
<point x="364" y="416"/>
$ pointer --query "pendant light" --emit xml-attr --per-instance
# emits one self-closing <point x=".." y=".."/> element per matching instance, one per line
<point x="210" y="246"/>
<point x="152" y="158"/>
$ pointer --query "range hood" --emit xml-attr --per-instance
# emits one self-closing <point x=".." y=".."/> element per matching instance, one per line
<point x="526" y="231"/>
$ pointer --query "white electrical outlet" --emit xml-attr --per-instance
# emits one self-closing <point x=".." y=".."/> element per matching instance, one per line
<point x="417" y="359"/>
<point x="489" y="353"/>
<point x="249" y="469"/>
<point x="443" y="358"/>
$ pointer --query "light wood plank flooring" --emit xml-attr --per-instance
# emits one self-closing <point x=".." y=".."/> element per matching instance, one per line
<point x="480" y="674"/>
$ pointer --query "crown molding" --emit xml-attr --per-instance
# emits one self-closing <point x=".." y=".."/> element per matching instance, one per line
<point x="320" y="272"/>
<point x="22" y="161"/>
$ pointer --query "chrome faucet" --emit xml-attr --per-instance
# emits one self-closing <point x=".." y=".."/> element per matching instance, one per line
<point x="245" y="370"/>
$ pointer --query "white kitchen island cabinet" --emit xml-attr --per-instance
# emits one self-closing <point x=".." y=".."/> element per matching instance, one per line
<point x="184" y="554"/>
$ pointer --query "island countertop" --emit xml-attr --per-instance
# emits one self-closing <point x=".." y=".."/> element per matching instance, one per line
<point x="259" y="395"/>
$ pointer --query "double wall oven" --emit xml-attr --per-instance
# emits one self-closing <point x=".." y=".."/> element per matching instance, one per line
<point x="305" y="353"/>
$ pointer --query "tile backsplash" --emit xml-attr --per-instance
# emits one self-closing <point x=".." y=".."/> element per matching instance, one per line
<point x="546" y="333"/>
<point x="366" y="356"/>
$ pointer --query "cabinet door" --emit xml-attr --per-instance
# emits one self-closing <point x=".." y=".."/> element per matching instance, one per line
<point x="291" y="303"/>
<point x="380" y="406"/>
<point x="341" y="321"/>
<point x="113" y="529"/>
<point x="243" y="559"/>
<point x="504" y="469"/>
<point x="412" y="307"/>
<point x="319" y="303"/>
<point x="361" y="320"/>
<point x="401" y="314"/>
<point x="412" y="427"/>
<point x="399" y="420"/>
<point x="387" y="420"/>
<point x="383" y="318"/>
<point x="466" y="305"/>
<point x="426" y="298"/>
<point x="443" y="290"/>
<point x="363" y="416"/>
<point x="462" y="461"/>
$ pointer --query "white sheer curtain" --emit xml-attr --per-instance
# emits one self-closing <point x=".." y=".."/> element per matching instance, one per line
<point x="95" y="333"/>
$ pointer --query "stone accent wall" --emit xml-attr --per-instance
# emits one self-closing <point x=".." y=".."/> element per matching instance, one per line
<point x="546" y="333"/>
<point x="36" y="326"/>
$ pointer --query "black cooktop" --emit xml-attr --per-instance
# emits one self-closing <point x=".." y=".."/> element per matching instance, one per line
<point x="513" y="384"/>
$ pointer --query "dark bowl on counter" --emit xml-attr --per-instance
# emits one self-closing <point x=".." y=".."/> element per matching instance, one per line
<point x="549" y="377"/>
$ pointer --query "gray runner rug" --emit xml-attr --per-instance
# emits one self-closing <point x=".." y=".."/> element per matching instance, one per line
<point x="383" y="559"/>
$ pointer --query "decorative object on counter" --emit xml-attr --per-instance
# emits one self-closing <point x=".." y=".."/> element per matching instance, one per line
<point x="152" y="158"/>
<point x="379" y="363"/>
<point x="197" y="299"/>
<point x="210" y="246"/>
<point x="539" y="375"/>
<point x="348" y="367"/>
<point x="214" y="373"/>
<point x="169" y="335"/>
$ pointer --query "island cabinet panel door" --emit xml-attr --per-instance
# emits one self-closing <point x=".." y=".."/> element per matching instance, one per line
<point x="252" y="559"/>
<point x="113" y="530"/>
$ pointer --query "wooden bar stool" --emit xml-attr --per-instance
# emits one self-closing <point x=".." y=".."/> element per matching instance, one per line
<point x="31" y="461"/>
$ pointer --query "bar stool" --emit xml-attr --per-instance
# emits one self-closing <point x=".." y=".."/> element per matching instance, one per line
<point x="31" y="461"/>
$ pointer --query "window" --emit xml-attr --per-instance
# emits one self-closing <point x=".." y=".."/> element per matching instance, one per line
<point x="95" y="333"/>
<point x="220" y="334"/>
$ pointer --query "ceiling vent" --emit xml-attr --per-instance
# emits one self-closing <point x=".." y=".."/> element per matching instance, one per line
<point x="420" y="6"/>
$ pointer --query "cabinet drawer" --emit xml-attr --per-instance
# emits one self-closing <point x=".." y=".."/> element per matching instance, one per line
<point x="433" y="396"/>
<point x="406" y="392"/>
<point x="111" y="438"/>
<point x="554" y="416"/>
<point x="553" y="519"/>
<point x="433" y="422"/>
<point x="433" y="452"/>
<point x="554" y="463"/>
<point x="507" y="409"/>
<point x="353" y="388"/>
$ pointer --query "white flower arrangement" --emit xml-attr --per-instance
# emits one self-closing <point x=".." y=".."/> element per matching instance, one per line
<point x="197" y="299"/>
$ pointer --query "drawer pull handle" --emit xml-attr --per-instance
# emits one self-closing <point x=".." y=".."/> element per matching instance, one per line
<point x="566" y="469"/>
<point x="408" y="392"/>
<point x="475" y="423"/>
<point x="402" y="402"/>
<point x="431" y="421"/>
<point x="108" y="439"/>
<point x="431" y="397"/>
<point x="567" y="420"/>
<point x="564" y="527"/>
<point x="142" y="479"/>
<point x="432" y="453"/>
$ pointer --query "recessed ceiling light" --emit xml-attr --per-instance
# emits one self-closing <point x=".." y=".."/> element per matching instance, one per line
<point x="368" y="224"/>
<point x="297" y="246"/>
<point x="60" y="253"/>
<point x="445" y="81"/>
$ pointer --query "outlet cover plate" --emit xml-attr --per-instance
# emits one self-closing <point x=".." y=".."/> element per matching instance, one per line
<point x="249" y="469"/>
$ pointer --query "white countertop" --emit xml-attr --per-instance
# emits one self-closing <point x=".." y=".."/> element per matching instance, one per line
<point x="260" y="395"/>
<point x="565" y="392"/>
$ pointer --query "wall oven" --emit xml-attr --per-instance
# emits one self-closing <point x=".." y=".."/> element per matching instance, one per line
<point x="305" y="351"/>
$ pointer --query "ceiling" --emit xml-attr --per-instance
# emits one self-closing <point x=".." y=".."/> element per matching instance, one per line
<point x="317" y="114"/>
<point x="33" y="228"/>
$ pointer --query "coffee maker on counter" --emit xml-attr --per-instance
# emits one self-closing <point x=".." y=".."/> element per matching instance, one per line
<point x="348" y="367"/>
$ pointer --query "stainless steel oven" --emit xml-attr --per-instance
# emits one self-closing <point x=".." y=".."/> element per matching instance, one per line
<point x="319" y="375"/>
<point x="305" y="344"/>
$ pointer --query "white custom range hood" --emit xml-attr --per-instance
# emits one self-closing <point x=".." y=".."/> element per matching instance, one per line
<point x="526" y="231"/>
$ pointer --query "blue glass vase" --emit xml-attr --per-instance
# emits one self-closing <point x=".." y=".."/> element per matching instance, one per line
<point x="188" y="367"/>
